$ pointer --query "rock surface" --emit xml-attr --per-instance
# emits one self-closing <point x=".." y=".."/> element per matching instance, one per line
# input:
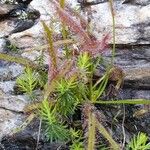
<point x="11" y="108"/>
<point x="132" y="22"/>
<point x="132" y="52"/>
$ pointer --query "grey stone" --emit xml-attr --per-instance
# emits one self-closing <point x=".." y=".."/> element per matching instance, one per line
<point x="7" y="86"/>
<point x="10" y="72"/>
<point x="135" y="62"/>
<point x="9" y="121"/>
<point x="11" y="108"/>
<point x="137" y="2"/>
<point x="13" y="103"/>
<point x="131" y="22"/>
<point x="16" y="20"/>
<point x="2" y="45"/>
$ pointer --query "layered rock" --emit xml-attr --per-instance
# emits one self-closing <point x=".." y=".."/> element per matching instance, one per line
<point x="15" y="16"/>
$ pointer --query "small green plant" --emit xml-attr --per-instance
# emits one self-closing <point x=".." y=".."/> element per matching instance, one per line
<point x="28" y="81"/>
<point x="67" y="99"/>
<point x="77" y="145"/>
<point x="13" y="48"/>
<point x="84" y="63"/>
<point x="139" y="142"/>
<point x="77" y="140"/>
<point x="55" y="130"/>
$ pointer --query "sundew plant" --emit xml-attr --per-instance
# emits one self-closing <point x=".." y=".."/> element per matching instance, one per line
<point x="69" y="87"/>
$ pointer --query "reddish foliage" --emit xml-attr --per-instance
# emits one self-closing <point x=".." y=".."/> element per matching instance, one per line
<point x="93" y="46"/>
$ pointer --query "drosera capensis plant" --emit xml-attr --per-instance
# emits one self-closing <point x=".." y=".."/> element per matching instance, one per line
<point x="139" y="142"/>
<point x="70" y="87"/>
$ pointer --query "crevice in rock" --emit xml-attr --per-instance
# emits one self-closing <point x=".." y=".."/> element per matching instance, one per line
<point x="13" y="111"/>
<point x="17" y="17"/>
<point x="85" y="3"/>
<point x="130" y="46"/>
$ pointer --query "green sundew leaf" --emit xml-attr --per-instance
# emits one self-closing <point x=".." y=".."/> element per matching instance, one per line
<point x="91" y="131"/>
<point x="52" y="52"/>
<point x="127" y="101"/>
<point x="105" y="133"/>
<point x="139" y="142"/>
<point x="19" y="60"/>
<point x="99" y="81"/>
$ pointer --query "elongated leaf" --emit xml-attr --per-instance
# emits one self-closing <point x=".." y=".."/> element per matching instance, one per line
<point x="127" y="101"/>
<point x="91" y="131"/>
<point x="52" y="53"/>
<point x="105" y="133"/>
<point x="20" y="60"/>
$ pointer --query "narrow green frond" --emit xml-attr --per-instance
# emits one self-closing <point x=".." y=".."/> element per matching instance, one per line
<point x="139" y="142"/>
<point x="28" y="81"/>
<point x="84" y="63"/>
<point x="55" y="130"/>
<point x="77" y="145"/>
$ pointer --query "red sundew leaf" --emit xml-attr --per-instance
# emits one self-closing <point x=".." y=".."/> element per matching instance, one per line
<point x="95" y="47"/>
<point x="91" y="45"/>
<point x="72" y="12"/>
<point x="69" y="21"/>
